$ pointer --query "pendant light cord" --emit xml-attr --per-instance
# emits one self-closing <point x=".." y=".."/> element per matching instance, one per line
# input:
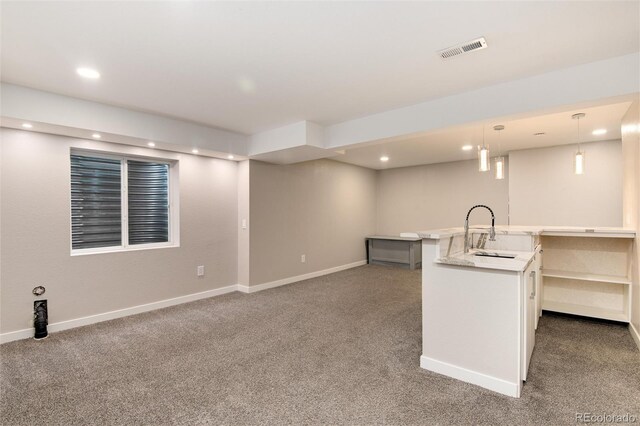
<point x="499" y="128"/>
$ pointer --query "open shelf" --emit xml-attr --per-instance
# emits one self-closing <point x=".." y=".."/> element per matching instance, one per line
<point x="582" y="276"/>
<point x="604" y="294"/>
<point x="587" y="311"/>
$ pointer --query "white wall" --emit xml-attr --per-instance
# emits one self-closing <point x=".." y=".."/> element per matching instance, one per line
<point x="631" y="201"/>
<point x="37" y="106"/>
<point x="35" y="245"/>
<point x="323" y="209"/>
<point x="543" y="189"/>
<point x="438" y="196"/>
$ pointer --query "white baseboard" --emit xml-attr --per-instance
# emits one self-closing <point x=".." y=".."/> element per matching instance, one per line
<point x="290" y="280"/>
<point x="92" y="319"/>
<point x="635" y="334"/>
<point x="16" y="335"/>
<point x="106" y="316"/>
<point x="469" y="376"/>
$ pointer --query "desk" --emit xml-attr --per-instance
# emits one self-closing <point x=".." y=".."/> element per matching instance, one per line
<point x="405" y="252"/>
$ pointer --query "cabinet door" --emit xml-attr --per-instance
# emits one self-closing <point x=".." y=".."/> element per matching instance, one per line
<point x="538" y="287"/>
<point x="529" y="316"/>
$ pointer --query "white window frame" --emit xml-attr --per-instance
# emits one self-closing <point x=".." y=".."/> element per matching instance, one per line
<point x="174" y="211"/>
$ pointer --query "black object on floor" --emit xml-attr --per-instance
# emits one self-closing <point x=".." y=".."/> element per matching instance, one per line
<point x="41" y="319"/>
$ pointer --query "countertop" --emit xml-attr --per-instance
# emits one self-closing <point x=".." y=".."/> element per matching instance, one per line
<point x="526" y="230"/>
<point x="517" y="264"/>
<point x="522" y="258"/>
<point x="413" y="237"/>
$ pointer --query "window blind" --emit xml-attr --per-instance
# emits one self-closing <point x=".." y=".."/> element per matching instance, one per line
<point x="148" y="202"/>
<point x="96" y="217"/>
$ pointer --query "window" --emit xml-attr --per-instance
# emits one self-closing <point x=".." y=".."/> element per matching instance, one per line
<point x="119" y="203"/>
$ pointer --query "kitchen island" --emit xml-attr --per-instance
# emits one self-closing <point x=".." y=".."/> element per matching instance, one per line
<point x="480" y="309"/>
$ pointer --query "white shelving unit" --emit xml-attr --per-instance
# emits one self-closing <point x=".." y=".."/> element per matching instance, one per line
<point x="588" y="275"/>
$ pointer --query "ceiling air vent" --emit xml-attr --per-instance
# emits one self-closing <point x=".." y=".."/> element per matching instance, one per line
<point x="470" y="46"/>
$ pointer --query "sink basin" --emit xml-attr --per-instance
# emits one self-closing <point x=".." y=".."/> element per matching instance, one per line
<point x="493" y="254"/>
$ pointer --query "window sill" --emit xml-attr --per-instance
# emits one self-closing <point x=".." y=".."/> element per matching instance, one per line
<point x="111" y="250"/>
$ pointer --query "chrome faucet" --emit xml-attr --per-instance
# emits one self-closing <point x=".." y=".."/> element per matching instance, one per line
<point x="492" y="231"/>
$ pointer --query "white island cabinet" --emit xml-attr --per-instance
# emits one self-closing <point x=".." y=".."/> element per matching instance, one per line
<point x="480" y="313"/>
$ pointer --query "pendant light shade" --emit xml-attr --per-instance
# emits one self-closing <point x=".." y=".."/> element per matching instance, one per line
<point x="499" y="167"/>
<point x="499" y="161"/>
<point x="483" y="159"/>
<point x="578" y="161"/>
<point x="484" y="165"/>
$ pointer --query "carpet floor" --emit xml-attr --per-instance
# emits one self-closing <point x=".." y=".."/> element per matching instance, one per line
<point x="339" y="349"/>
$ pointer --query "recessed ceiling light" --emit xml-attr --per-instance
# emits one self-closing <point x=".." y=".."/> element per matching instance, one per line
<point x="195" y="150"/>
<point x="27" y="125"/>
<point x="598" y="132"/>
<point x="151" y="144"/>
<point x="88" y="73"/>
<point x="96" y="135"/>
<point x="539" y="134"/>
<point x="230" y="157"/>
<point x="467" y="148"/>
<point x="384" y="158"/>
<point x="246" y="84"/>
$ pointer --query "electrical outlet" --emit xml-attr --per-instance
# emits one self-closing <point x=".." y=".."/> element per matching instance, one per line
<point x="303" y="258"/>
<point x="200" y="271"/>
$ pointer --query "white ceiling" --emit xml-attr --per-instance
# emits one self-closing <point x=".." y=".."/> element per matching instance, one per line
<point x="446" y="145"/>
<point x="252" y="66"/>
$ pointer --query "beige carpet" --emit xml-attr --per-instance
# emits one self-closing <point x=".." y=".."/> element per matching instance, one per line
<point x="340" y="349"/>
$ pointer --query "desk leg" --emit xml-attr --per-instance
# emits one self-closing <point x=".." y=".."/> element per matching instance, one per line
<point x="412" y="256"/>
<point x="369" y="250"/>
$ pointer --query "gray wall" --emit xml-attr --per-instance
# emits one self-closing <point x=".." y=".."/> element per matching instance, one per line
<point x="243" y="215"/>
<point x="322" y="209"/>
<point x="35" y="223"/>
<point x="540" y="189"/>
<point x="543" y="189"/>
<point x="437" y="196"/>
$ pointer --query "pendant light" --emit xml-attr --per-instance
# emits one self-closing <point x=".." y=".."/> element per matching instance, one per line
<point x="483" y="155"/>
<point x="499" y="162"/>
<point x="578" y="161"/>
